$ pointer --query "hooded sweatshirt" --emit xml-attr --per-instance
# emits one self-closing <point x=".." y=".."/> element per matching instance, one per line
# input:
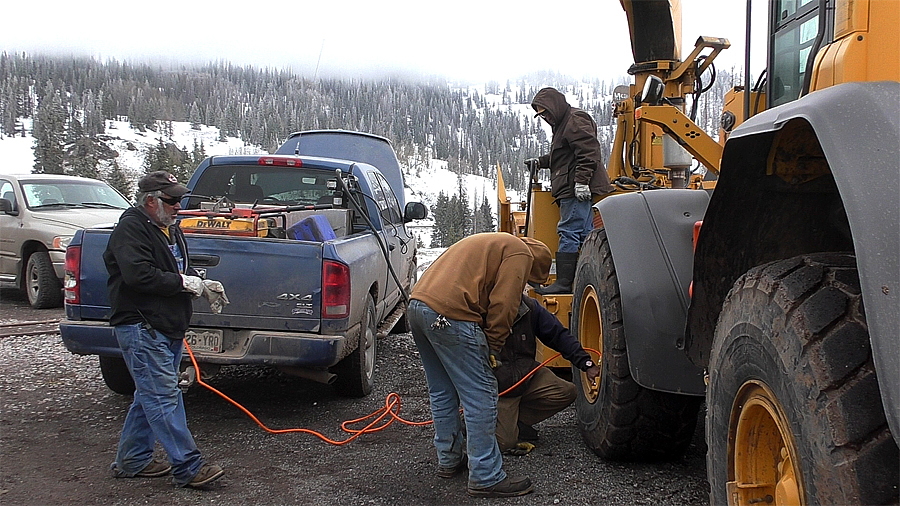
<point x="575" y="155"/>
<point x="481" y="278"/>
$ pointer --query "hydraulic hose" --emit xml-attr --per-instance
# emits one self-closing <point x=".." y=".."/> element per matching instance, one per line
<point x="387" y="258"/>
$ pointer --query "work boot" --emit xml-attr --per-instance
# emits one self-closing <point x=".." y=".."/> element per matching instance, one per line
<point x="154" y="469"/>
<point x="207" y="474"/>
<point x="509" y="487"/>
<point x="450" y="472"/>
<point x="565" y="274"/>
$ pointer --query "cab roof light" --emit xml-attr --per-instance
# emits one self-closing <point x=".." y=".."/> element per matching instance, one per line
<point x="280" y="161"/>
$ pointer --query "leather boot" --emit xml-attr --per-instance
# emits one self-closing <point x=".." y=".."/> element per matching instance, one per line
<point x="565" y="274"/>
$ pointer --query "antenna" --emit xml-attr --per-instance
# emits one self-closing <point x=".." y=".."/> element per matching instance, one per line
<point x="316" y="74"/>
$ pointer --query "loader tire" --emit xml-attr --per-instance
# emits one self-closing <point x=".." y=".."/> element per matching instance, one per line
<point x="620" y="420"/>
<point x="116" y="376"/>
<point x="793" y="404"/>
<point x="356" y="372"/>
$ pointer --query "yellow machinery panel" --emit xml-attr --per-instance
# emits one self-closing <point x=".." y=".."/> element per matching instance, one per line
<point x="544" y="217"/>
<point x="866" y="44"/>
<point x="560" y="305"/>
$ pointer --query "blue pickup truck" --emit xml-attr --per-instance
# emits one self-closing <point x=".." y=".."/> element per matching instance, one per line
<point x="311" y="245"/>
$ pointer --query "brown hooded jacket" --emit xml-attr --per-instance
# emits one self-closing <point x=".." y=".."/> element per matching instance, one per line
<point x="575" y="155"/>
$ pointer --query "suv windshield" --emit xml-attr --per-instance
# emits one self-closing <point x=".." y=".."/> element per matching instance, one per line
<point x="66" y="194"/>
<point x="264" y="185"/>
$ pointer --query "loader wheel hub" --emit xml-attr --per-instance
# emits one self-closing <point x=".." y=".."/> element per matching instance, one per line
<point x="590" y="335"/>
<point x="762" y="454"/>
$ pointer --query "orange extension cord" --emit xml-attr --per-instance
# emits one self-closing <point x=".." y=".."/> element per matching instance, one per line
<point x="391" y="407"/>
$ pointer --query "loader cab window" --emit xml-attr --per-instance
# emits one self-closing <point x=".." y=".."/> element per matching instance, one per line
<point x="795" y="25"/>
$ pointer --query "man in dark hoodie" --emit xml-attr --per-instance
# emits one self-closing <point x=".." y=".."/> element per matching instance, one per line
<point x="544" y="394"/>
<point x="151" y="285"/>
<point x="576" y="175"/>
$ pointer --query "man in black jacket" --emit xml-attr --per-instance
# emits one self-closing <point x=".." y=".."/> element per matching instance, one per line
<point x="151" y="286"/>
<point x="544" y="394"/>
<point x="576" y="175"/>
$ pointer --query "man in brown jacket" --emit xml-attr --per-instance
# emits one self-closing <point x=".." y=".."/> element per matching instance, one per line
<point x="461" y="313"/>
<point x="576" y="175"/>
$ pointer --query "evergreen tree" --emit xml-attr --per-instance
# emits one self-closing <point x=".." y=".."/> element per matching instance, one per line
<point x="118" y="180"/>
<point x="49" y="133"/>
<point x="198" y="154"/>
<point x="83" y="159"/>
<point x="195" y="116"/>
<point x="485" y="221"/>
<point x="8" y="109"/>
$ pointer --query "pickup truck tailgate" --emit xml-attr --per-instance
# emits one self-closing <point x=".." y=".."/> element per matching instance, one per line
<point x="280" y="282"/>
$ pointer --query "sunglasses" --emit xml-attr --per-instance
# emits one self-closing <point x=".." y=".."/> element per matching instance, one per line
<point x="170" y="200"/>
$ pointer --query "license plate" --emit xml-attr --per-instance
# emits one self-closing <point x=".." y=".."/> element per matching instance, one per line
<point x="209" y="341"/>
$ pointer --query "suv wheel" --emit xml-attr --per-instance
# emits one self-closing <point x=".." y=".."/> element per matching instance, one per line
<point x="41" y="284"/>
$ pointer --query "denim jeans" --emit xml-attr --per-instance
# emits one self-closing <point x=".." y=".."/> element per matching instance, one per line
<point x="157" y="413"/>
<point x="455" y="357"/>
<point x="576" y="220"/>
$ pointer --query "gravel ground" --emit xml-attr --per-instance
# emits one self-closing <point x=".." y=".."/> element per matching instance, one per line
<point x="59" y="425"/>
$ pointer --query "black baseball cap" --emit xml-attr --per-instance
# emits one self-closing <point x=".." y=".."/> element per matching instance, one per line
<point x="161" y="180"/>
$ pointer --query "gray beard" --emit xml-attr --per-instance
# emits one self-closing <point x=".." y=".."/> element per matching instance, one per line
<point x="162" y="217"/>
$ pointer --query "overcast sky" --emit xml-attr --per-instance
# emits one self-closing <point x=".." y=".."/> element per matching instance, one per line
<point x="474" y="40"/>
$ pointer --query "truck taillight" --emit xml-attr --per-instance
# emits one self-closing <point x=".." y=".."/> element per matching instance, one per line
<point x="335" y="290"/>
<point x="73" y="271"/>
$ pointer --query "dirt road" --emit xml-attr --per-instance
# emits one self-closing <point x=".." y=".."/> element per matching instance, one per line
<point x="59" y="425"/>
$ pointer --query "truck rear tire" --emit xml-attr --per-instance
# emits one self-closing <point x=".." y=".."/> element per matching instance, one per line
<point x="620" y="420"/>
<point x="116" y="376"/>
<point x="794" y="412"/>
<point x="41" y="284"/>
<point x="356" y="372"/>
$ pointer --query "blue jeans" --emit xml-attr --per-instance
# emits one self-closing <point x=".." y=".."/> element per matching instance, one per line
<point x="576" y="220"/>
<point x="157" y="412"/>
<point x="455" y="358"/>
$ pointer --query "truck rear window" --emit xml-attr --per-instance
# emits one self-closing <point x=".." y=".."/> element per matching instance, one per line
<point x="265" y="185"/>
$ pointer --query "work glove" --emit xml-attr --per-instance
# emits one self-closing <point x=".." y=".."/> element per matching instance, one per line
<point x="192" y="284"/>
<point x="532" y="162"/>
<point x="520" y="449"/>
<point x="494" y="361"/>
<point x="582" y="192"/>
<point x="214" y="293"/>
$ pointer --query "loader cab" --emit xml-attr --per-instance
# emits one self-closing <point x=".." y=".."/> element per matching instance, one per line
<point x="797" y="29"/>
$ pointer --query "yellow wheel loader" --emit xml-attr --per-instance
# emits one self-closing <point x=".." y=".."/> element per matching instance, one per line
<point x="767" y="284"/>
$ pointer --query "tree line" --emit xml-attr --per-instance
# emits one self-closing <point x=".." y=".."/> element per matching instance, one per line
<point x="71" y="101"/>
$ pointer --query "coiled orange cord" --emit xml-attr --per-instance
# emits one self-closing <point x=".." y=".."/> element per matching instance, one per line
<point x="391" y="407"/>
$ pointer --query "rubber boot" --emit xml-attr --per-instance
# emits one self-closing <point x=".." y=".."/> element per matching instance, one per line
<point x="565" y="274"/>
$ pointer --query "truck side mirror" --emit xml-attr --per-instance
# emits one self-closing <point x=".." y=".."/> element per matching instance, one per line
<point x="7" y="207"/>
<point x="414" y="211"/>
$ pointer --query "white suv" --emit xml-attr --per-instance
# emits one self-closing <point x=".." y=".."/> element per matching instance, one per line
<point x="39" y="214"/>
